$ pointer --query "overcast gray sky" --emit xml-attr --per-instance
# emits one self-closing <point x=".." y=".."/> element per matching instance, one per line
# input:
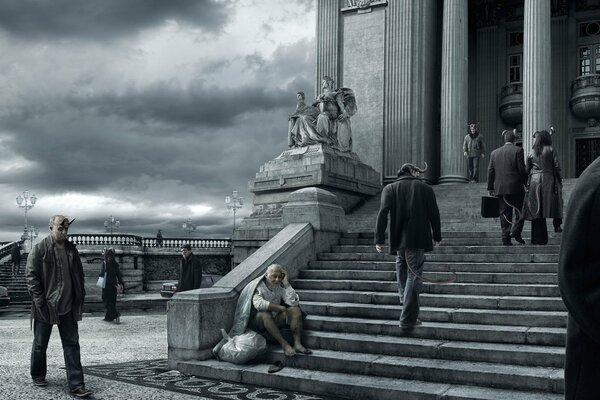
<point x="149" y="110"/>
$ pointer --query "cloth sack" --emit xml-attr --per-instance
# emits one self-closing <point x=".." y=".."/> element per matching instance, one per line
<point x="242" y="348"/>
<point x="489" y="207"/>
<point x="101" y="283"/>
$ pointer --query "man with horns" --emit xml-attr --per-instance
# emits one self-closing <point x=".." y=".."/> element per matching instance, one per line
<point x="506" y="180"/>
<point x="414" y="214"/>
<point x="56" y="284"/>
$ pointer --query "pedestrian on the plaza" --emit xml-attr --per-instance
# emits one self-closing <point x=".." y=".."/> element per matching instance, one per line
<point x="15" y="255"/>
<point x="414" y="214"/>
<point x="506" y="180"/>
<point x="113" y="283"/>
<point x="55" y="282"/>
<point x="190" y="271"/>
<point x="473" y="150"/>
<point x="579" y="283"/>
<point x="159" y="238"/>
<point x="543" y="198"/>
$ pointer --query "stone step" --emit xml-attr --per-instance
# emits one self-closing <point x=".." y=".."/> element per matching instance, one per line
<point x="469" y="258"/>
<point x="541" y="356"/>
<point x="350" y="386"/>
<point x="449" y="241"/>
<point x="516" y="268"/>
<point x="524" y="303"/>
<point x="546" y="336"/>
<point x="429" y="370"/>
<point x="499" y="249"/>
<point x="453" y="288"/>
<point x="556" y="319"/>
<point x="464" y="277"/>
<point x="493" y="233"/>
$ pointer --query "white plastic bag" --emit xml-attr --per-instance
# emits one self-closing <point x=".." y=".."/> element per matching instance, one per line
<point x="101" y="283"/>
<point x="242" y="348"/>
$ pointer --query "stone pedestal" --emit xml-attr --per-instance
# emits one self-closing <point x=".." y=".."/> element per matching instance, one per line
<point x="318" y="166"/>
<point x="341" y="173"/>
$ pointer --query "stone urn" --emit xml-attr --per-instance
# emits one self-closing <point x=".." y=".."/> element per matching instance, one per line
<point x="511" y="104"/>
<point x="585" y="98"/>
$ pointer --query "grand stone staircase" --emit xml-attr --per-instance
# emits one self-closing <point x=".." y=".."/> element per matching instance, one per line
<point x="16" y="285"/>
<point x="498" y="332"/>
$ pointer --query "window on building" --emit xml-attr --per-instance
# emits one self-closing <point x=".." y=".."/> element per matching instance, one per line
<point x="515" y="65"/>
<point x="589" y="60"/>
<point x="588" y="51"/>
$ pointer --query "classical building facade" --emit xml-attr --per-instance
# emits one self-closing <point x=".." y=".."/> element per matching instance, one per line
<point x="423" y="69"/>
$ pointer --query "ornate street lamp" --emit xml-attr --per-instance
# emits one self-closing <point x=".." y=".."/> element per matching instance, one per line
<point x="26" y="201"/>
<point x="111" y="223"/>
<point x="188" y="226"/>
<point x="234" y="202"/>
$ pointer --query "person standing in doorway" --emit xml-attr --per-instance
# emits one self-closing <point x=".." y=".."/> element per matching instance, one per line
<point x="190" y="271"/>
<point x="473" y="150"/>
<point x="506" y="180"/>
<point x="55" y="282"/>
<point x="414" y="214"/>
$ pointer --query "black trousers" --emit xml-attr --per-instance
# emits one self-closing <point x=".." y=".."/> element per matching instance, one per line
<point x="69" y="336"/>
<point x="510" y="228"/>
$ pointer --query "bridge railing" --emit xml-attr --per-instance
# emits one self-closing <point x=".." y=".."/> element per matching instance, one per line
<point x="6" y="249"/>
<point x="86" y="239"/>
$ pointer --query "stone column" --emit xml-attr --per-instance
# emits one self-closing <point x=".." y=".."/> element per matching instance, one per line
<point x="537" y="85"/>
<point x="411" y="88"/>
<point x="327" y="41"/>
<point x="454" y="98"/>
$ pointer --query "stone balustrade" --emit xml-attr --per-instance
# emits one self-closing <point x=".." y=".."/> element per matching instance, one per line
<point x="86" y="239"/>
<point x="511" y="104"/>
<point x="585" y="98"/>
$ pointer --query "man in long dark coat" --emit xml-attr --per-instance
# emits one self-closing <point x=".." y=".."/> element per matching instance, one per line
<point x="414" y="214"/>
<point x="579" y="282"/>
<point x="506" y="180"/>
<point x="190" y="271"/>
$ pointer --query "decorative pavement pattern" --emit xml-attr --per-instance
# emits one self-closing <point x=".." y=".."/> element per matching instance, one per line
<point x="156" y="374"/>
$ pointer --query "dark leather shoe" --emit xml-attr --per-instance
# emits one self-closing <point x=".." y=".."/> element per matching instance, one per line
<point x="39" y="381"/>
<point x="81" y="392"/>
<point x="519" y="239"/>
<point x="557" y="229"/>
<point x="507" y="242"/>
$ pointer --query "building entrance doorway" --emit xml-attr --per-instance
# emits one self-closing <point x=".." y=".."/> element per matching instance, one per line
<point x="587" y="150"/>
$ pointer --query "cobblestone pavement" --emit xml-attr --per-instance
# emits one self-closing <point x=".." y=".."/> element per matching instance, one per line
<point x="112" y="355"/>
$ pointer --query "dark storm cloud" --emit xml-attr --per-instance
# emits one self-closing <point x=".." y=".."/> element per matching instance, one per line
<point x="197" y="105"/>
<point x="106" y="18"/>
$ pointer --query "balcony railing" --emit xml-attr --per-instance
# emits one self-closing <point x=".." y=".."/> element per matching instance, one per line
<point x="139" y="241"/>
<point x="511" y="104"/>
<point x="585" y="98"/>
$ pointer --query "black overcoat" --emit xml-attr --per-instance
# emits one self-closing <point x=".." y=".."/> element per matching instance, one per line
<point x="543" y="198"/>
<point x="413" y="213"/>
<point x="579" y="283"/>
<point x="506" y="170"/>
<point x="190" y="273"/>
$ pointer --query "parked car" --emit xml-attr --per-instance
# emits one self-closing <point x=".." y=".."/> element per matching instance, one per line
<point x="169" y="288"/>
<point x="4" y="299"/>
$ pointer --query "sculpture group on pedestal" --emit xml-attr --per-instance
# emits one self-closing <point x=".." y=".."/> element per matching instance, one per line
<point x="326" y="121"/>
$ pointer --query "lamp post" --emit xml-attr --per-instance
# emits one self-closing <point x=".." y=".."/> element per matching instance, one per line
<point x="234" y="202"/>
<point x="188" y="226"/>
<point x="30" y="233"/>
<point x="111" y="223"/>
<point x="26" y="201"/>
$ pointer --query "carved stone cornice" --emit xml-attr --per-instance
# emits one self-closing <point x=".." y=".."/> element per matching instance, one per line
<point x="585" y="5"/>
<point x="487" y="12"/>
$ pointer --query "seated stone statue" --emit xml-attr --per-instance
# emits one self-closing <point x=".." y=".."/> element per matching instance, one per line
<point x="327" y="121"/>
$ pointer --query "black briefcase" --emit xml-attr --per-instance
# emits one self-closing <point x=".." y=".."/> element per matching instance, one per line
<point x="489" y="207"/>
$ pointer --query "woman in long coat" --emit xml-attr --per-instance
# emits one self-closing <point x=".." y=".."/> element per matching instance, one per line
<point x="113" y="283"/>
<point x="543" y="198"/>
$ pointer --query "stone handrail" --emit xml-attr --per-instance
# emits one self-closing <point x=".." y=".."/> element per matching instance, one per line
<point x="194" y="317"/>
<point x="87" y="239"/>
<point x="585" y="81"/>
<point x="6" y="249"/>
